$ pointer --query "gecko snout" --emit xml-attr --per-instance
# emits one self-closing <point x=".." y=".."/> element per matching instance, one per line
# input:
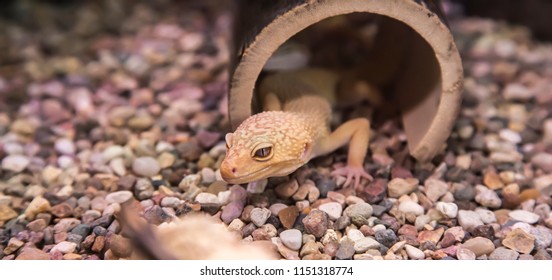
<point x="227" y="171"/>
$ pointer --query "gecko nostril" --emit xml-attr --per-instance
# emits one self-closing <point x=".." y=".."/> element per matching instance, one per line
<point x="233" y="170"/>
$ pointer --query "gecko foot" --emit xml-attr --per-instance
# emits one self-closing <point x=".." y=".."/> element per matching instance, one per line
<point x="352" y="172"/>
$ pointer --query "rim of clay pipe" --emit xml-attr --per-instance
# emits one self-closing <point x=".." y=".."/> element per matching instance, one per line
<point x="414" y="15"/>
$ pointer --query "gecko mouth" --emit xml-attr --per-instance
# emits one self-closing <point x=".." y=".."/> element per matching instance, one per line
<point x="247" y="177"/>
<point x="263" y="173"/>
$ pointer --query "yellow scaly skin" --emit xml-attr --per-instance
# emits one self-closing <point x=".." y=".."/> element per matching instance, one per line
<point x="293" y="129"/>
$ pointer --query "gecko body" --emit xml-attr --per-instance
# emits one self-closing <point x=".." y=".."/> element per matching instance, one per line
<point x="293" y="129"/>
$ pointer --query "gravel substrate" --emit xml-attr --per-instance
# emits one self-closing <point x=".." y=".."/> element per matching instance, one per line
<point x="110" y="103"/>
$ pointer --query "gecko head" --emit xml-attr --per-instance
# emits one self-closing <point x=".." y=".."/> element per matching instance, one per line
<point x="267" y="144"/>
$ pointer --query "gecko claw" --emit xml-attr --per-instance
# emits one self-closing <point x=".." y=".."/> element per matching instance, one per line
<point x="352" y="173"/>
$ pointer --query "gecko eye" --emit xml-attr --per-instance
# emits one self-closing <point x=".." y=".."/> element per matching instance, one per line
<point x="263" y="153"/>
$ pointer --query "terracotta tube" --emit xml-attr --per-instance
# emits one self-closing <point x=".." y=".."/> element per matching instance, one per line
<point x="414" y="57"/>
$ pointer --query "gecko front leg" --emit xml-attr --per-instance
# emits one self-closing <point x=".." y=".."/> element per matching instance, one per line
<point x="356" y="132"/>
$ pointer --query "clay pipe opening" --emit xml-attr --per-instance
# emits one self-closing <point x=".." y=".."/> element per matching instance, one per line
<point x="415" y="56"/>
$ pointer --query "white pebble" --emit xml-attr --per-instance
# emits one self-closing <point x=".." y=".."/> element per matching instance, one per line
<point x="65" y="162"/>
<point x="448" y="209"/>
<point x="223" y="197"/>
<point x="333" y="209"/>
<point x="112" y="152"/>
<point x="379" y="227"/>
<point x="409" y="206"/>
<point x="487" y="216"/>
<point x="118" y="166"/>
<point x="355" y="234"/>
<point x="524" y="216"/>
<point x="65" y="247"/>
<point x="421" y="221"/>
<point x="65" y="146"/>
<point x="510" y="136"/>
<point x="146" y="166"/>
<point x="206" y="198"/>
<point x="486" y="197"/>
<point x="292" y="238"/>
<point x="414" y="253"/>
<point x="469" y="219"/>
<point x="170" y="201"/>
<point x="15" y="163"/>
<point x="118" y="197"/>
<point x="207" y="175"/>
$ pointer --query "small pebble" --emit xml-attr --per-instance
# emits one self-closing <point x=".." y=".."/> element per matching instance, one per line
<point x="487" y="197"/>
<point x="414" y="253"/>
<point x="469" y="219"/>
<point x="146" y="166"/>
<point x="65" y="146"/>
<point x="359" y="210"/>
<point x="479" y="246"/>
<point x="288" y="216"/>
<point x="207" y="198"/>
<point x="447" y="209"/>
<point x="465" y="254"/>
<point x="287" y="189"/>
<point x="172" y="202"/>
<point x="524" y="216"/>
<point x="502" y="253"/>
<point x="118" y="197"/>
<point x="411" y="207"/>
<point x="346" y="249"/>
<point x="292" y="238"/>
<point x="364" y="244"/>
<point x="398" y="186"/>
<point x="65" y="247"/>
<point x="316" y="223"/>
<point x="15" y="163"/>
<point x="435" y="189"/>
<point x="486" y="216"/>
<point x="259" y="216"/>
<point x="333" y="209"/>
<point x="520" y="241"/>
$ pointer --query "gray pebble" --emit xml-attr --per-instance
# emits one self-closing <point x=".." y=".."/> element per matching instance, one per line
<point x="364" y="244"/>
<point x="486" y="197"/>
<point x="170" y="201"/>
<point x="82" y="230"/>
<point x="386" y="237"/>
<point x="486" y="216"/>
<point x="146" y="166"/>
<point x="346" y="249"/>
<point x="524" y="216"/>
<point x="259" y="216"/>
<point x="469" y="219"/>
<point x="502" y="253"/>
<point x="292" y="238"/>
<point x="359" y="210"/>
